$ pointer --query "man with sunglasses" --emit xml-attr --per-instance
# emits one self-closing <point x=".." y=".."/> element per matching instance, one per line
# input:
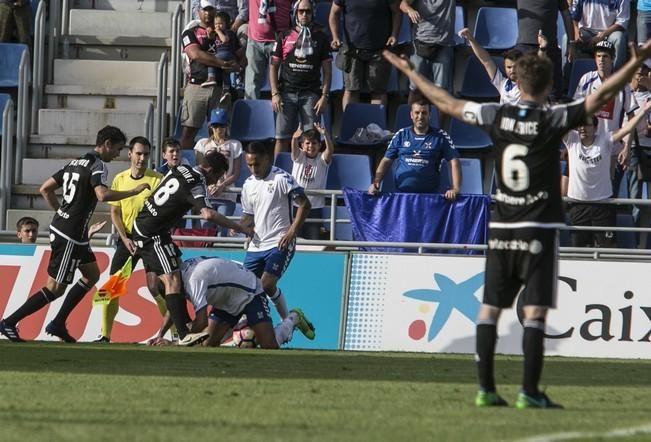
<point x="300" y="55"/>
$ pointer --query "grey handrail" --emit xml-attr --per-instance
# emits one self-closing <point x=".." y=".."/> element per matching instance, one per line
<point x="38" y="63"/>
<point x="177" y="27"/>
<point x="149" y="123"/>
<point x="65" y="18"/>
<point x="54" y="32"/>
<point x="6" y="160"/>
<point x="22" y="126"/>
<point x="188" y="12"/>
<point x="161" y="110"/>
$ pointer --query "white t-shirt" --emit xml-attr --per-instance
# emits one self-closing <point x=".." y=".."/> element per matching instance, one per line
<point x="589" y="167"/>
<point x="311" y="173"/>
<point x="611" y="115"/>
<point x="231" y="149"/>
<point x="269" y="201"/>
<point x="509" y="90"/>
<point x="224" y="284"/>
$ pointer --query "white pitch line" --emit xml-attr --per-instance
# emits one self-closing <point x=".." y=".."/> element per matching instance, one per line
<point x="622" y="432"/>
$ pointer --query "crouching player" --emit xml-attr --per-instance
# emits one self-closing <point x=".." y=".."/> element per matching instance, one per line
<point x="232" y="291"/>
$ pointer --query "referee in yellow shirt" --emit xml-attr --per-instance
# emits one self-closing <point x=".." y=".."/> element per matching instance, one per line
<point x="123" y="214"/>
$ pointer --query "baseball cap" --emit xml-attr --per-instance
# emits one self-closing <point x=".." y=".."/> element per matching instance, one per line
<point x="207" y="4"/>
<point x="605" y="46"/>
<point x="218" y="116"/>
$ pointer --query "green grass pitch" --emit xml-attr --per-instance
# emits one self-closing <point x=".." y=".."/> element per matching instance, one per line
<point x="85" y="392"/>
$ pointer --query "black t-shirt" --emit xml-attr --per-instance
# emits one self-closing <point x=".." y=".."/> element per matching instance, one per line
<point x="534" y="15"/>
<point x="367" y="23"/>
<point x="198" y="35"/>
<point x="78" y="179"/>
<point x="301" y="74"/>
<point x="526" y="138"/>
<point x="181" y="189"/>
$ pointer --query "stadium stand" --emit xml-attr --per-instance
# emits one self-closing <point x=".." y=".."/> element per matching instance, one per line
<point x="496" y="29"/>
<point x="10" y="55"/>
<point x="360" y="115"/>
<point x="471" y="172"/>
<point x="284" y="161"/>
<point x="466" y="136"/>
<point x="253" y="120"/>
<point x="343" y="231"/>
<point x="349" y="170"/>
<point x="475" y="83"/>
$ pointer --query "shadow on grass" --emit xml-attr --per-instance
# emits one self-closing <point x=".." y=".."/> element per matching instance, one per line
<point x="138" y="360"/>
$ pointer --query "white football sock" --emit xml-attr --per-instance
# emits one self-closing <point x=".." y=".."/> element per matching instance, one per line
<point x="285" y="330"/>
<point x="281" y="304"/>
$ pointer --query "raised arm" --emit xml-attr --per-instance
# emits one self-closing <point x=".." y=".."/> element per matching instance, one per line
<point x="440" y="98"/>
<point x="479" y="52"/>
<point x="629" y="126"/>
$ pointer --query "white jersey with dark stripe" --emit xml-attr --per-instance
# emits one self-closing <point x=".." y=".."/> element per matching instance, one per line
<point x="181" y="189"/>
<point x="526" y="138"/>
<point x="223" y="284"/>
<point x="78" y="180"/>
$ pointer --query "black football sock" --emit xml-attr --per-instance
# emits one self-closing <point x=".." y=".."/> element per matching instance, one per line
<point x="74" y="296"/>
<point x="33" y="304"/>
<point x="533" y="349"/>
<point x="485" y="353"/>
<point x="178" y="311"/>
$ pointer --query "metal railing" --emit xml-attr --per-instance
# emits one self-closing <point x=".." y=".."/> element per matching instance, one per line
<point x="54" y="33"/>
<point x="22" y="118"/>
<point x="38" y="64"/>
<point x="6" y="163"/>
<point x="176" y="77"/>
<point x="160" y="120"/>
<point x="148" y="127"/>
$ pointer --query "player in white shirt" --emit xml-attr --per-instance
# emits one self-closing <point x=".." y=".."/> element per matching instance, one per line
<point x="310" y="169"/>
<point x="506" y="85"/>
<point x="267" y="198"/>
<point x="232" y="291"/>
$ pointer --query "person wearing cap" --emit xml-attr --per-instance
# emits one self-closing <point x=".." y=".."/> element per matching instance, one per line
<point x="597" y="21"/>
<point x="221" y="201"/>
<point x="300" y="57"/>
<point x="197" y="101"/>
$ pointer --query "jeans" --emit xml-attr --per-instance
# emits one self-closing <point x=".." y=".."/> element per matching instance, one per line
<point x="643" y="26"/>
<point x="439" y="70"/>
<point x="258" y="54"/>
<point x="298" y="107"/>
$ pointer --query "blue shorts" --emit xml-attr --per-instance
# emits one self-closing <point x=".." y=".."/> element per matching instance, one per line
<point x="256" y="311"/>
<point x="272" y="261"/>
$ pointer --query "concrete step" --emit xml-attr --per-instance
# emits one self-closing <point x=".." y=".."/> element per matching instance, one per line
<point x="85" y="122"/>
<point x="99" y="97"/>
<point x="41" y="169"/>
<point x="80" y="50"/>
<point x="107" y="73"/>
<point x="27" y="196"/>
<point x="125" y="23"/>
<point x="44" y="217"/>
<point x="127" y="5"/>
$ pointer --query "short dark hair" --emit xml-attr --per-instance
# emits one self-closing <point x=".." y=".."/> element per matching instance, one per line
<point x="215" y="161"/>
<point x="312" y="135"/>
<point x="419" y="102"/>
<point x="534" y="73"/>
<point x="170" y="142"/>
<point x="139" y="140"/>
<point x="258" y="148"/>
<point x="513" y="54"/>
<point x="24" y="221"/>
<point x="592" y="119"/>
<point x="112" y="134"/>
<point x="224" y="16"/>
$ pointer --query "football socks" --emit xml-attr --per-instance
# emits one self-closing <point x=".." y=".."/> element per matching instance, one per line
<point x="485" y="353"/>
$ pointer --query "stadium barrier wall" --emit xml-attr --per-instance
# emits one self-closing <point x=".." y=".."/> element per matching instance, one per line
<point x="23" y="271"/>
<point x="429" y="304"/>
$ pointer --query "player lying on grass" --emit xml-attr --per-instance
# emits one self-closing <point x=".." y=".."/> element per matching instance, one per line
<point x="232" y="291"/>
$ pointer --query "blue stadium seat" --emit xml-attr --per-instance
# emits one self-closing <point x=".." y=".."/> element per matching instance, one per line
<point x="476" y="83"/>
<point x="359" y="115"/>
<point x="322" y="15"/>
<point x="405" y="35"/>
<point x="10" y="54"/>
<point x="253" y="120"/>
<point x="244" y="172"/>
<point x="459" y="24"/>
<point x="337" y="81"/>
<point x="347" y="170"/>
<point x="393" y="87"/>
<point x="471" y="181"/>
<point x="496" y="28"/>
<point x="343" y="231"/>
<point x="189" y="156"/>
<point x="466" y="136"/>
<point x="3" y="102"/>
<point x="625" y="240"/>
<point x="403" y="120"/>
<point x="579" y="67"/>
<point x="284" y="161"/>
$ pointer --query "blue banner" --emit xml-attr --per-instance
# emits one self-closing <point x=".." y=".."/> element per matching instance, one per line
<point x="411" y="217"/>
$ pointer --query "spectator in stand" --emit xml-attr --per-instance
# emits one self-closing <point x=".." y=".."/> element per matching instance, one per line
<point x="171" y="155"/>
<point x="220" y="200"/>
<point x="15" y="19"/>
<point x="643" y="21"/>
<point x="536" y="17"/>
<point x="596" y="21"/>
<point x="267" y="19"/>
<point x="434" y="40"/>
<point x="369" y="27"/>
<point x="589" y="153"/>
<point x="27" y="230"/>
<point x="507" y="86"/>
<point x="310" y="170"/>
<point x="612" y="114"/>
<point x="197" y="100"/>
<point x="419" y="150"/>
<point x="300" y="57"/>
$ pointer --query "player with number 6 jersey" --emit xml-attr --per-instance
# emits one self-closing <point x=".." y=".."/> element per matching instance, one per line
<point x="182" y="188"/>
<point x="84" y="183"/>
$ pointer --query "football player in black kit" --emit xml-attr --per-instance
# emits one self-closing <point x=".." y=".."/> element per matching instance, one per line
<point x="522" y="245"/>
<point x="182" y="188"/>
<point x="83" y="182"/>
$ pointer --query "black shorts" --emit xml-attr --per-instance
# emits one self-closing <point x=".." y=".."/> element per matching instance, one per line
<point x="66" y="257"/>
<point x="521" y="257"/>
<point x="256" y="311"/>
<point x="601" y="215"/>
<point x="120" y="257"/>
<point x="159" y="254"/>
